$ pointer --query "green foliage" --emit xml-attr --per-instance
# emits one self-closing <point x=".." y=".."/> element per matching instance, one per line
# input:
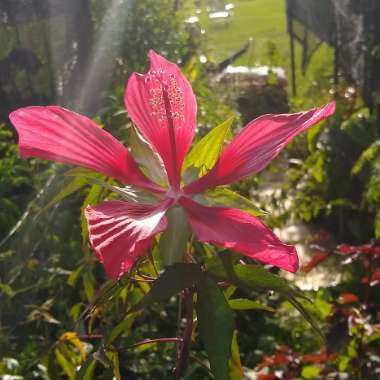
<point x="216" y="326"/>
<point x="174" y="279"/>
<point x="173" y="242"/>
<point x="206" y="151"/>
<point x="15" y="182"/>
<point x="81" y="326"/>
<point x="153" y="24"/>
<point x="146" y="157"/>
<point x="223" y="196"/>
<point x="337" y="183"/>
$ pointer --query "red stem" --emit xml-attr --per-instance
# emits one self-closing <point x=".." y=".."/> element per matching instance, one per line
<point x="186" y="342"/>
<point x="89" y="337"/>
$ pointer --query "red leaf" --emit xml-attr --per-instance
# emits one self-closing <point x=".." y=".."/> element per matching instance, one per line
<point x="345" y="249"/>
<point x="276" y="359"/>
<point x="346" y="298"/>
<point x="318" y="258"/>
<point x="376" y="275"/>
<point x="375" y="278"/>
<point x="318" y="358"/>
<point x="269" y="376"/>
<point x="365" y="249"/>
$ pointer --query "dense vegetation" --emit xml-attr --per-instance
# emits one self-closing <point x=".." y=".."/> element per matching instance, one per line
<point x="61" y="318"/>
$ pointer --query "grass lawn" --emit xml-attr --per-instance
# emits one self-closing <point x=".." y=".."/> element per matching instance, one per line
<point x="265" y="22"/>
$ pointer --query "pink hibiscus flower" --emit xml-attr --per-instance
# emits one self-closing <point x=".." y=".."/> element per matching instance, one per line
<point x="162" y="105"/>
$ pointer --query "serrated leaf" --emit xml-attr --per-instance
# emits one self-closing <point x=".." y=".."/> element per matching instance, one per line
<point x="206" y="151"/>
<point x="216" y="325"/>
<point x="246" y="304"/>
<point x="174" y="279"/>
<point x="252" y="277"/>
<point x="146" y="157"/>
<point x="173" y="241"/>
<point x="223" y="196"/>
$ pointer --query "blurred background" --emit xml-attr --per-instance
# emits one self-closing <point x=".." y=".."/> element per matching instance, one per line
<point x="243" y="58"/>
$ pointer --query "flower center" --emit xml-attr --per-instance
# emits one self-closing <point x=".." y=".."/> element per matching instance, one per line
<point x="174" y="194"/>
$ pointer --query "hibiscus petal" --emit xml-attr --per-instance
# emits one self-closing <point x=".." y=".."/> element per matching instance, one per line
<point x="241" y="232"/>
<point x="257" y="145"/>
<point x="54" y="133"/>
<point x="162" y="105"/>
<point x="121" y="232"/>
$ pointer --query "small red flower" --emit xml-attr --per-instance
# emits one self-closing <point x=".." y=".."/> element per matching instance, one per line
<point x="162" y="105"/>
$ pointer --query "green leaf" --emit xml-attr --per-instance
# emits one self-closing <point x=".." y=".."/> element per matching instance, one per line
<point x="228" y="293"/>
<point x="52" y="368"/>
<point x="93" y="178"/>
<point x="377" y="225"/>
<point x="73" y="186"/>
<point x="252" y="277"/>
<point x="92" y="198"/>
<point x="101" y="356"/>
<point x="6" y="289"/>
<point x="81" y="172"/>
<point x="120" y="328"/>
<point x="146" y="157"/>
<point x="87" y="369"/>
<point x="67" y="366"/>
<point x="74" y="275"/>
<point x="173" y="241"/>
<point x="223" y="196"/>
<point x="366" y="157"/>
<point x="323" y="307"/>
<point x="107" y="292"/>
<point x="206" y="151"/>
<point x="235" y="367"/>
<point x="312" y="136"/>
<point x="216" y="325"/>
<point x="115" y="365"/>
<point x="310" y="372"/>
<point x="174" y="279"/>
<point x="374" y="337"/>
<point x="245" y="304"/>
<point x="88" y="284"/>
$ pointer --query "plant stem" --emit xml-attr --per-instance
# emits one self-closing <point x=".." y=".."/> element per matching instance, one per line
<point x="202" y="364"/>
<point x="184" y="351"/>
<point x="89" y="337"/>
<point x="146" y="341"/>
